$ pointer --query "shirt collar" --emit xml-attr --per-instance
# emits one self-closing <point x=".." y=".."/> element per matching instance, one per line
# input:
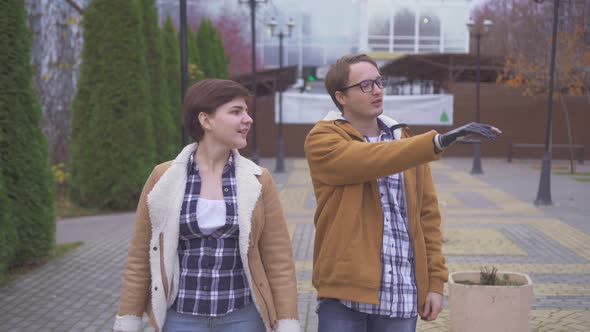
<point x="193" y="168"/>
<point x="385" y="132"/>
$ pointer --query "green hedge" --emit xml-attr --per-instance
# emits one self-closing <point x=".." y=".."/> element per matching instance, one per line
<point x="27" y="217"/>
<point x="113" y="144"/>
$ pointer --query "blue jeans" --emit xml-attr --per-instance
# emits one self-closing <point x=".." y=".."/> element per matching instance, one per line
<point x="246" y="319"/>
<point x="335" y="316"/>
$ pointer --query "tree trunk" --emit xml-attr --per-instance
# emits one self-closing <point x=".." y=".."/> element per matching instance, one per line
<point x="569" y="132"/>
<point x="57" y="43"/>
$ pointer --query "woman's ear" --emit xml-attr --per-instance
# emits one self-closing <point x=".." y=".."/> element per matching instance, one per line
<point x="204" y="121"/>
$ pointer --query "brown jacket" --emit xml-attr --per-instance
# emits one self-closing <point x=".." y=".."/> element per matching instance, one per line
<point x="151" y="276"/>
<point x="349" y="220"/>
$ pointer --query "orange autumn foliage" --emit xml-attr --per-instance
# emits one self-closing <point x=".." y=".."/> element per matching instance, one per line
<point x="531" y="73"/>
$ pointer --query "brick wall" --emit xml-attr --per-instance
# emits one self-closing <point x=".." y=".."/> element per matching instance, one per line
<point x="521" y="118"/>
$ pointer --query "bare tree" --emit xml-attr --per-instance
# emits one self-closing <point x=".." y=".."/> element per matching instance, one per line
<point x="524" y="38"/>
<point x="57" y="43"/>
<point x="75" y="5"/>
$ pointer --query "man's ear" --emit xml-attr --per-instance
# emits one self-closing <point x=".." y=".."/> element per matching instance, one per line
<point x="340" y="97"/>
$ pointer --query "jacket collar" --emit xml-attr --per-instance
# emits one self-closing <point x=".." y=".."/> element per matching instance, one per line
<point x="245" y="165"/>
<point x="389" y="122"/>
<point x="168" y="193"/>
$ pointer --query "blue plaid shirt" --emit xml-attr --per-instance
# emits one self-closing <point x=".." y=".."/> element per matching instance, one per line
<point x="398" y="293"/>
<point x="212" y="278"/>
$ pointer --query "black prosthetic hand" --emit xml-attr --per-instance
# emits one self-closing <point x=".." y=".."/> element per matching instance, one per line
<point x="467" y="132"/>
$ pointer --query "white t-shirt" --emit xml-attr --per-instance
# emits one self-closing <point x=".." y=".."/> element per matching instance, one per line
<point x="210" y="215"/>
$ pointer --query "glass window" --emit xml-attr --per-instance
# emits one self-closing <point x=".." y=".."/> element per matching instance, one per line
<point x="404" y="30"/>
<point x="429" y="33"/>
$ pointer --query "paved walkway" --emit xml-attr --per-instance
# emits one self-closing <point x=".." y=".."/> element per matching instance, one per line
<point x="489" y="220"/>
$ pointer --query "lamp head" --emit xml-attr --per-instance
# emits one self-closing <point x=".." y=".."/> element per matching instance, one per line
<point x="487" y="26"/>
<point x="470" y="24"/>
<point x="272" y="24"/>
<point x="290" y="25"/>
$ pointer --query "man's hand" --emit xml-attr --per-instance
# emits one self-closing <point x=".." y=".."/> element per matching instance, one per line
<point x="466" y="132"/>
<point x="433" y="306"/>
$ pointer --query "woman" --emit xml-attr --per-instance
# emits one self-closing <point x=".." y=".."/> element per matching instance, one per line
<point x="210" y="248"/>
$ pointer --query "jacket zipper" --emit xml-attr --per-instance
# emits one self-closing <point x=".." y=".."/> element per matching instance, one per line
<point x="418" y="185"/>
<point x="417" y="204"/>
<point x="406" y="201"/>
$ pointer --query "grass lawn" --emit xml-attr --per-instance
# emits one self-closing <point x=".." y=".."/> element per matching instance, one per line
<point x="575" y="173"/>
<point x="22" y="268"/>
<point x="577" y="176"/>
<point x="66" y="208"/>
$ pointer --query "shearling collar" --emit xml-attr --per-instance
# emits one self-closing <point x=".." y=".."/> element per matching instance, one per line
<point x="389" y="122"/>
<point x="246" y="165"/>
<point x="170" y="187"/>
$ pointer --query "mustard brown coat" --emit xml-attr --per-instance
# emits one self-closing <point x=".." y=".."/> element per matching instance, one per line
<point x="344" y="169"/>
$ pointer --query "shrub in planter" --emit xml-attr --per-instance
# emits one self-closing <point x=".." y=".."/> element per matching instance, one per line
<point x="490" y="300"/>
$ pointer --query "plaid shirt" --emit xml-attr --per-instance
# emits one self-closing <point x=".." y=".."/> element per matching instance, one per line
<point x="212" y="277"/>
<point x="397" y="294"/>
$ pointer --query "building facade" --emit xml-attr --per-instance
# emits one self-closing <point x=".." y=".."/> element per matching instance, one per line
<point x="384" y="28"/>
<point x="409" y="26"/>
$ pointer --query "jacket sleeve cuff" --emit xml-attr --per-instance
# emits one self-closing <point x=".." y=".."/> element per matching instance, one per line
<point x="127" y="323"/>
<point x="287" y="325"/>
<point x="437" y="146"/>
<point x="436" y="285"/>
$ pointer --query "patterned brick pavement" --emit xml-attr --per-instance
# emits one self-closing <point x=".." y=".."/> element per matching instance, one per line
<point x="486" y="223"/>
<point x="483" y="226"/>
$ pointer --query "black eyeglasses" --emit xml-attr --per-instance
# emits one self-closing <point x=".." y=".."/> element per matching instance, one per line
<point x="367" y="85"/>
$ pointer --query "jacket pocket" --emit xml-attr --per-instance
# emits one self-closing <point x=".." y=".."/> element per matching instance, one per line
<point x="262" y="286"/>
<point x="341" y="235"/>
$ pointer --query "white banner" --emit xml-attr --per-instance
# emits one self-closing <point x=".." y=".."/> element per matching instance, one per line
<point x="430" y="110"/>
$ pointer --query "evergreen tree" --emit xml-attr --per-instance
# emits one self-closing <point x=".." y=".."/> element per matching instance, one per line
<point x="27" y="217"/>
<point x="195" y="70"/>
<point x="172" y="74"/>
<point x="161" y="112"/>
<point x="8" y="236"/>
<point x="204" y="40"/>
<point x="222" y="60"/>
<point x="113" y="144"/>
<point x="210" y="46"/>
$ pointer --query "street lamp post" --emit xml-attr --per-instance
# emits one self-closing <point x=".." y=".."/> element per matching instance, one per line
<point x="280" y="165"/>
<point x="544" y="193"/>
<point x="478" y="32"/>
<point x="183" y="63"/>
<point x="254" y="147"/>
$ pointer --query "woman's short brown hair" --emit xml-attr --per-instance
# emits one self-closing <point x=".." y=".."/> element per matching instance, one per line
<point x="337" y="75"/>
<point x="206" y="96"/>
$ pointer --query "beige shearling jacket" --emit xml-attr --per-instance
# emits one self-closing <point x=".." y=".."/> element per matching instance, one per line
<point x="151" y="275"/>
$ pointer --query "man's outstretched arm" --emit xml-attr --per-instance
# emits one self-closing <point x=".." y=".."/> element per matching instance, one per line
<point x="336" y="160"/>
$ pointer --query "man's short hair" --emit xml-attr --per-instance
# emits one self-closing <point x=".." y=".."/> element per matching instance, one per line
<point x="337" y="76"/>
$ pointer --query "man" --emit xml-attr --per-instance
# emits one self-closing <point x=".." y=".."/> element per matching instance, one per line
<point x="377" y="254"/>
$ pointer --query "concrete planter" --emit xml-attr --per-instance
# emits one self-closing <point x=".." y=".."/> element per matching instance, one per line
<point x="489" y="308"/>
